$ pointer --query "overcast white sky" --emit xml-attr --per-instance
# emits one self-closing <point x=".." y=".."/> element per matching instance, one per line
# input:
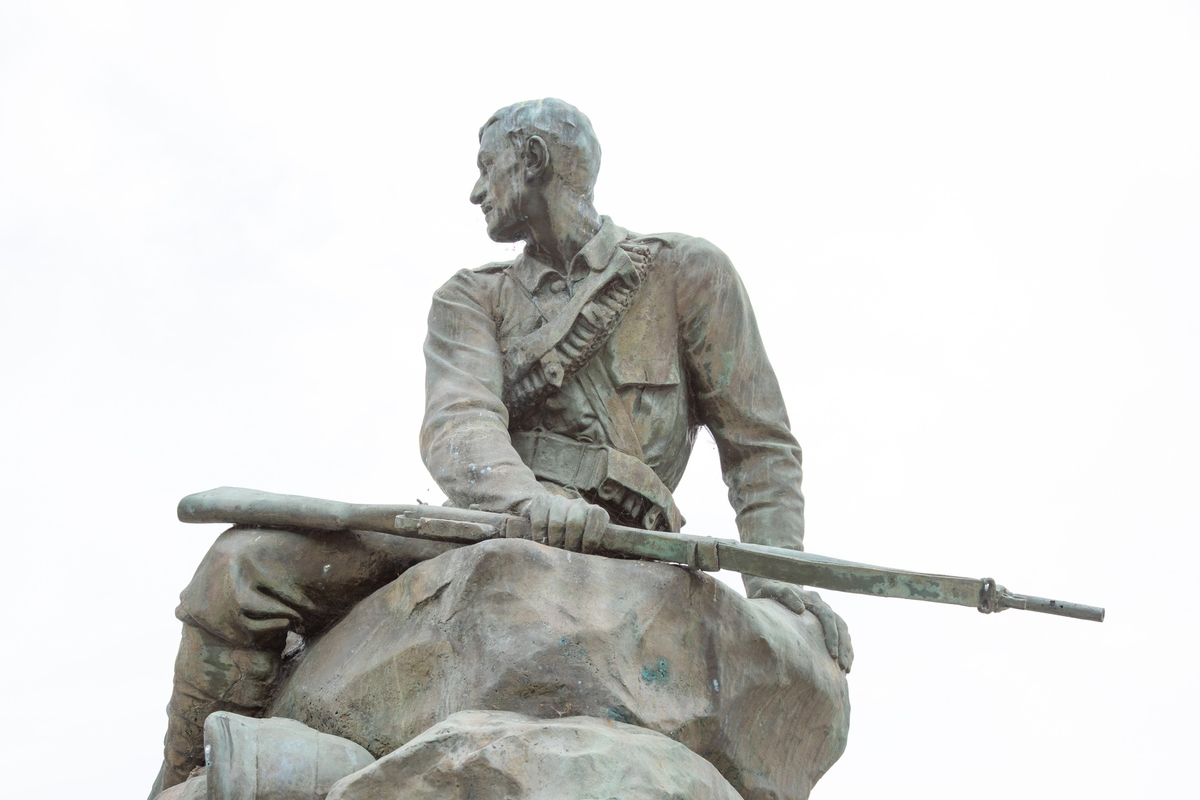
<point x="971" y="232"/>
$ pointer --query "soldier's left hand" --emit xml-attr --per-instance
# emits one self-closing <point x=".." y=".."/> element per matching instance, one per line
<point x="798" y="600"/>
<point x="572" y="524"/>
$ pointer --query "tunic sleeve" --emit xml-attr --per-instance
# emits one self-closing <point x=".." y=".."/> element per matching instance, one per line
<point x="464" y="437"/>
<point x="737" y="397"/>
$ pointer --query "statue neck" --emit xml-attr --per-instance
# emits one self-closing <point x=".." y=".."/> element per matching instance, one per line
<point x="561" y="229"/>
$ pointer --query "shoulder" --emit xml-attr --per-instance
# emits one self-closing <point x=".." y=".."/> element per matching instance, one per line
<point x="679" y="246"/>
<point x="688" y="256"/>
<point x="702" y="278"/>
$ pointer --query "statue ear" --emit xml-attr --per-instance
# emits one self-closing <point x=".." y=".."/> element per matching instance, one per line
<point x="537" y="158"/>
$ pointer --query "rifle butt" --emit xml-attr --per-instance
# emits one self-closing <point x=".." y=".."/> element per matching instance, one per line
<point x="253" y="508"/>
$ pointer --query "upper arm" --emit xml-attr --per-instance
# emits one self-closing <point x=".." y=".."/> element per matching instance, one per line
<point x="737" y="397"/>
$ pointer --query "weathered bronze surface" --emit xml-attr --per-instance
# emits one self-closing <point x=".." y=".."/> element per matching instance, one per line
<point x="466" y="526"/>
<point x="564" y="390"/>
<point x="483" y="753"/>
<point x="564" y="387"/>
<point x="512" y="625"/>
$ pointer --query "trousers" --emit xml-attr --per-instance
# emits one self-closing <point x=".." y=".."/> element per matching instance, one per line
<point x="252" y="588"/>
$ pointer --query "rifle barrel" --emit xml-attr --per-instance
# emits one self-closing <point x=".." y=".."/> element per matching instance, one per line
<point x="1059" y="608"/>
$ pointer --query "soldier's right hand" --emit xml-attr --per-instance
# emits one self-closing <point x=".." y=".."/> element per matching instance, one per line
<point x="572" y="524"/>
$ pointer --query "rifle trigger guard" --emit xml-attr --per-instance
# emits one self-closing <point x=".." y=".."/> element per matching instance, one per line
<point x="987" y="596"/>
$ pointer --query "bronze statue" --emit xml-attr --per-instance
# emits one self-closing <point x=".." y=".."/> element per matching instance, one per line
<point x="566" y="386"/>
<point x="564" y="390"/>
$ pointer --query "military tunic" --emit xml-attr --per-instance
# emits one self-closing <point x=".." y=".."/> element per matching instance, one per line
<point x="686" y="353"/>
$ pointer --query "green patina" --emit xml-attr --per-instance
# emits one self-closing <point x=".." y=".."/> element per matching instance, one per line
<point x="620" y="714"/>
<point x="656" y="675"/>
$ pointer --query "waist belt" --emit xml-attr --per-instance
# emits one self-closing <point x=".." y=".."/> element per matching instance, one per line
<point x="619" y="481"/>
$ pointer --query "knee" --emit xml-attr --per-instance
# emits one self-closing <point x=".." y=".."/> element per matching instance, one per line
<point x="238" y="546"/>
<point x="247" y="554"/>
<point x="225" y="595"/>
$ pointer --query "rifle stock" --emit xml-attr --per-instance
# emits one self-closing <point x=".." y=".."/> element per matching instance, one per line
<point x="457" y="526"/>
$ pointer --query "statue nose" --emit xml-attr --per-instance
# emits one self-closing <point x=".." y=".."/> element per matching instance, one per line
<point x="478" y="192"/>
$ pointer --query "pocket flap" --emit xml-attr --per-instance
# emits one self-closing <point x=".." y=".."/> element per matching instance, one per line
<point x="658" y="372"/>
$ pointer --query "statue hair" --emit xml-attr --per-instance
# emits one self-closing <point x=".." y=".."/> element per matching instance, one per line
<point x="574" y="148"/>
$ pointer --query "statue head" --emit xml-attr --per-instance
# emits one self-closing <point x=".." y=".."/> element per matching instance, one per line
<point x="533" y="154"/>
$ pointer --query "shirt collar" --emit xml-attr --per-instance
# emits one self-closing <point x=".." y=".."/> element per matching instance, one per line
<point x="595" y="255"/>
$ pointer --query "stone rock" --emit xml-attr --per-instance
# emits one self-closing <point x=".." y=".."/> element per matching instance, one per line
<point x="497" y="755"/>
<point x="194" y="788"/>
<point x="515" y="626"/>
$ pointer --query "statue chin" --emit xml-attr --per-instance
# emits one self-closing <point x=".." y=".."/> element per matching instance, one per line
<point x="507" y="235"/>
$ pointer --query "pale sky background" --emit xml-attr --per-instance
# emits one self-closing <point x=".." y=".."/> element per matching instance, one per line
<point x="971" y="232"/>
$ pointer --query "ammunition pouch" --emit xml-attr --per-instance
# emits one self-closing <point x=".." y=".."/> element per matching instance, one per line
<point x="617" y="481"/>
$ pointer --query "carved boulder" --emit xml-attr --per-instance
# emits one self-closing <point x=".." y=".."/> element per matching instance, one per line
<point x="514" y="626"/>
<point x="498" y="755"/>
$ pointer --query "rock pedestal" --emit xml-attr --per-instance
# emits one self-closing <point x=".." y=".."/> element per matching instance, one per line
<point x="497" y="755"/>
<point x="518" y="627"/>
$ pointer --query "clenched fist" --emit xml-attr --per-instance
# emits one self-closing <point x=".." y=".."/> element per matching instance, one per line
<point x="572" y="524"/>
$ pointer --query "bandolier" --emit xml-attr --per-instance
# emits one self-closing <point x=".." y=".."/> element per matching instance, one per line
<point x="538" y="364"/>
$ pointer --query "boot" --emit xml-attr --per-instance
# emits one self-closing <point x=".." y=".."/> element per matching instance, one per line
<point x="210" y="675"/>
<point x="275" y="759"/>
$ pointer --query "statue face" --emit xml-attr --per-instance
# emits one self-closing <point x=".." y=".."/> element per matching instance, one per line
<point x="498" y="190"/>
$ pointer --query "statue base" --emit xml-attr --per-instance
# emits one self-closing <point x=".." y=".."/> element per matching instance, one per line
<point x="515" y="626"/>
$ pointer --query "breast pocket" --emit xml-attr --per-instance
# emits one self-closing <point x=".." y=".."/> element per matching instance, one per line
<point x="650" y="390"/>
<point x="644" y="351"/>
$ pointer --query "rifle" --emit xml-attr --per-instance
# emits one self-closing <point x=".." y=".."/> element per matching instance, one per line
<point x="458" y="526"/>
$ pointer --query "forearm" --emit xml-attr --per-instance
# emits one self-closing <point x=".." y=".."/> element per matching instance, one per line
<point x="464" y="436"/>
<point x="474" y="463"/>
<point x="763" y="474"/>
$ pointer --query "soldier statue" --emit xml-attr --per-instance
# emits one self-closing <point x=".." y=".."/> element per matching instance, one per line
<point x="566" y="385"/>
